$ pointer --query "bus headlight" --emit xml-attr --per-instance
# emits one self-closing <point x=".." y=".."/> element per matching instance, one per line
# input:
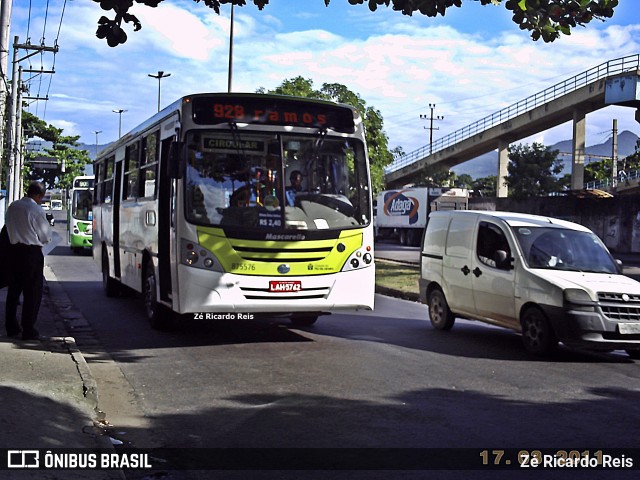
<point x="361" y="258"/>
<point x="191" y="257"/>
<point x="196" y="256"/>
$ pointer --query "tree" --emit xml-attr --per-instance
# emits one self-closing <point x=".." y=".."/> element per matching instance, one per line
<point x="377" y="140"/>
<point x="485" y="186"/>
<point x="545" y="19"/>
<point x="64" y="149"/>
<point x="533" y="171"/>
<point x="464" y="181"/>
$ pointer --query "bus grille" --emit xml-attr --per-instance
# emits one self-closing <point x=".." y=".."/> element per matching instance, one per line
<point x="304" y="294"/>
<point x="289" y="255"/>
<point x="618" y="306"/>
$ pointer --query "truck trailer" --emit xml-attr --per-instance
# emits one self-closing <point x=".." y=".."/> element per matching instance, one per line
<point x="403" y="213"/>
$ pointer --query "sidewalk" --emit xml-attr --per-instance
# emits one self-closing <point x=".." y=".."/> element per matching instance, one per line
<point x="48" y="398"/>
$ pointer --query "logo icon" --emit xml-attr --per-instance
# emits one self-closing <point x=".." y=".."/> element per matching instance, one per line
<point x="397" y="204"/>
<point x="283" y="268"/>
<point x="23" y="459"/>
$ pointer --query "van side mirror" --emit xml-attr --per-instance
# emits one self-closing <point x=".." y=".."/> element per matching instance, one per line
<point x="502" y="259"/>
<point x="174" y="167"/>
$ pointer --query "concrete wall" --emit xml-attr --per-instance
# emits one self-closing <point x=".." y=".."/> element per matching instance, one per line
<point x="615" y="220"/>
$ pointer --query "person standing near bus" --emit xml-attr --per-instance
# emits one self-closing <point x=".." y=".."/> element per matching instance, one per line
<point x="28" y="231"/>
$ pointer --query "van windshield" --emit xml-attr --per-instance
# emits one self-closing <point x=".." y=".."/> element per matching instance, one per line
<point x="564" y="249"/>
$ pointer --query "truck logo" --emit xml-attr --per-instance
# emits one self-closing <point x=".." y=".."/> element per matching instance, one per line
<point x="397" y="204"/>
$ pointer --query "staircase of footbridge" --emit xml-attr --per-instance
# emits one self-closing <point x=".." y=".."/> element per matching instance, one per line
<point x="616" y="82"/>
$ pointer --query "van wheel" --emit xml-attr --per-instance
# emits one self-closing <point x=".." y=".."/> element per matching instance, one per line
<point x="537" y="335"/>
<point x="441" y="316"/>
<point x="158" y="315"/>
<point x="635" y="354"/>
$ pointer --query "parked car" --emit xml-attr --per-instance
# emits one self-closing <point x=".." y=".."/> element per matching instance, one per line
<point x="549" y="279"/>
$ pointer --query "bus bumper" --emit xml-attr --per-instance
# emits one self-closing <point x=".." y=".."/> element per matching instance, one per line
<point x="206" y="291"/>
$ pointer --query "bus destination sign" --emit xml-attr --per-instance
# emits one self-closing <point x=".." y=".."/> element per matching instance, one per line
<point x="270" y="111"/>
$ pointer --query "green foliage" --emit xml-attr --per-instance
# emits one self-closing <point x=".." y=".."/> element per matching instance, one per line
<point x="64" y="149"/>
<point x="545" y="19"/>
<point x="486" y="186"/>
<point x="464" y="181"/>
<point x="601" y="170"/>
<point x="377" y="140"/>
<point x="533" y="171"/>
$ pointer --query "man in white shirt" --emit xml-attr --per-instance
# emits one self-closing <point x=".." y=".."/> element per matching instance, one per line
<point x="28" y="231"/>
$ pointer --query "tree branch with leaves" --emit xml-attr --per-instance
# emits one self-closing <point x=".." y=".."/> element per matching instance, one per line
<point x="545" y="19"/>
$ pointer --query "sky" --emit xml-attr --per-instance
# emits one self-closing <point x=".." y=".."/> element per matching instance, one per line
<point x="470" y="63"/>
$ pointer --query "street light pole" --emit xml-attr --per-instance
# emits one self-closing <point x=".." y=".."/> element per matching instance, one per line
<point x="159" y="76"/>
<point x="97" y="132"/>
<point x="119" y="112"/>
<point x="230" y="75"/>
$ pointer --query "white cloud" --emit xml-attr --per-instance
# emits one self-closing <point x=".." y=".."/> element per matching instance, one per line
<point x="397" y="64"/>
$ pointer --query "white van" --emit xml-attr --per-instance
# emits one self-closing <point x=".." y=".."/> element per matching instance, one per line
<point x="549" y="279"/>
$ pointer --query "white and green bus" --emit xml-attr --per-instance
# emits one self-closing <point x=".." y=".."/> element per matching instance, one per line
<point x="192" y="209"/>
<point x="80" y="213"/>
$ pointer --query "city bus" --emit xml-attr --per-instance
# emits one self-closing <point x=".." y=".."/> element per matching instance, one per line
<point x="193" y="210"/>
<point x="80" y="213"/>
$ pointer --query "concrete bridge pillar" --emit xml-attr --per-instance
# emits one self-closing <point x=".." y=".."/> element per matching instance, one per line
<point x="503" y="160"/>
<point x="577" y="162"/>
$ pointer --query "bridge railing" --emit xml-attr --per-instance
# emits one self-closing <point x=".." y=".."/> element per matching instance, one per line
<point x="604" y="70"/>
<point x="607" y="183"/>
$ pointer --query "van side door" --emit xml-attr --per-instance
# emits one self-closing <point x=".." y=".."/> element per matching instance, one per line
<point x="493" y="276"/>
<point x="456" y="267"/>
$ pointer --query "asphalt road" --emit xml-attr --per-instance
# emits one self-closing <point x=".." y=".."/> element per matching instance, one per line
<point x="366" y="379"/>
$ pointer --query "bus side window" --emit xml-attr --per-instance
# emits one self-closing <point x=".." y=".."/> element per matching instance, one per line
<point x="149" y="166"/>
<point x="108" y="179"/>
<point x="131" y="179"/>
<point x="97" y="197"/>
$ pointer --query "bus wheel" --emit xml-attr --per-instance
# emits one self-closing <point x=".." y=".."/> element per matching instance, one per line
<point x="159" y="317"/>
<point x="537" y="334"/>
<point x="303" y="320"/>
<point x="110" y="285"/>
<point x="442" y="318"/>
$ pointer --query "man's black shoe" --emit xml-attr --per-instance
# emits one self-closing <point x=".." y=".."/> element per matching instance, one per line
<point x="34" y="335"/>
<point x="14" y="334"/>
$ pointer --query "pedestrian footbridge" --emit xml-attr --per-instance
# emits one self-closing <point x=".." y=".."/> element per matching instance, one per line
<point x="616" y="82"/>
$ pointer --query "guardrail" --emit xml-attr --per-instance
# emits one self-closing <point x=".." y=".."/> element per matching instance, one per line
<point x="604" y="70"/>
<point x="608" y="183"/>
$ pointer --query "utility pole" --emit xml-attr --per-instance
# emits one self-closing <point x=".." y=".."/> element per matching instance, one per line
<point x="14" y="137"/>
<point x="431" y="128"/>
<point x="159" y="76"/>
<point x="119" y="112"/>
<point x="5" y="22"/>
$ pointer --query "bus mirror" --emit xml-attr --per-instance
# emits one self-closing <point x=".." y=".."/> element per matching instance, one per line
<point x="175" y="160"/>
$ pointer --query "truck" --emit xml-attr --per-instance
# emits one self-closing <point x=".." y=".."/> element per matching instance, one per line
<point x="403" y="213"/>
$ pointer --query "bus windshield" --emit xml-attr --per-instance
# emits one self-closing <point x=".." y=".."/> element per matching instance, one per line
<point x="270" y="181"/>
<point x="82" y="205"/>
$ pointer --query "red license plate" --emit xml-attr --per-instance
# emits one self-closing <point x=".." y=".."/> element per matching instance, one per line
<point x="285" y="285"/>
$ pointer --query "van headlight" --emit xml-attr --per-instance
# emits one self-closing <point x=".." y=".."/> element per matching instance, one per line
<point x="577" y="299"/>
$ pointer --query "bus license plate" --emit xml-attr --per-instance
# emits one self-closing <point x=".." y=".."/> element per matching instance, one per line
<point x="285" y="285"/>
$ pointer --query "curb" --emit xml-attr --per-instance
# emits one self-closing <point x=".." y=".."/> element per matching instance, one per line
<point x="68" y="319"/>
